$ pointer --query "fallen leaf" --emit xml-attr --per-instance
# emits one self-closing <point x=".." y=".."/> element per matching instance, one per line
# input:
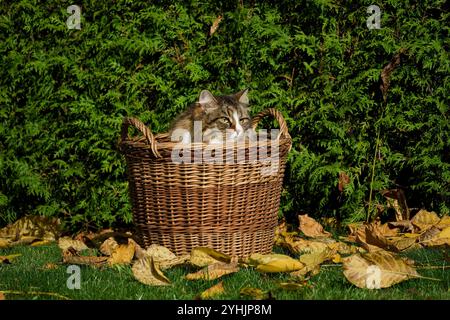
<point x="255" y="293"/>
<point x="213" y="271"/>
<point x="9" y="258"/>
<point x="71" y="256"/>
<point x="429" y="234"/>
<point x="442" y="224"/>
<point x="311" y="228"/>
<point x="212" y="292"/>
<point x="404" y="225"/>
<point x="146" y="272"/>
<point x="4" y="243"/>
<point x="40" y="243"/>
<point x="2" y="296"/>
<point x="425" y="219"/>
<point x="274" y="263"/>
<point x="215" y="25"/>
<point x="123" y="254"/>
<point x="39" y="227"/>
<point x="401" y="243"/>
<point x="202" y="256"/>
<point x="163" y="257"/>
<point x="311" y="260"/>
<point x="66" y="242"/>
<point x="442" y="238"/>
<point x="50" y="266"/>
<point x="108" y="246"/>
<point x="377" y="270"/>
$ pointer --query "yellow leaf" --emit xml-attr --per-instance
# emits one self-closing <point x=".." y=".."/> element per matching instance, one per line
<point x="444" y="222"/>
<point x="146" y="272"/>
<point x="40" y="243"/>
<point x="255" y="293"/>
<point x="337" y="258"/>
<point x="311" y="228"/>
<point x="163" y="257"/>
<point x="442" y="238"/>
<point x="377" y="270"/>
<point x="425" y="219"/>
<point x="123" y="254"/>
<point x="9" y="258"/>
<point x="274" y="263"/>
<point x="214" y="291"/>
<point x="4" y="243"/>
<point x="108" y="246"/>
<point x="202" y="256"/>
<point x="38" y="227"/>
<point x="66" y="242"/>
<point x="310" y="260"/>
<point x="213" y="271"/>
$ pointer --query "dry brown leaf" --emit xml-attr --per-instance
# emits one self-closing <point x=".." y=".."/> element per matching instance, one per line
<point x="2" y="296"/>
<point x="108" y="246"/>
<point x="146" y="272"/>
<point x="442" y="238"/>
<point x="255" y="293"/>
<point x="311" y="228"/>
<point x="404" y="225"/>
<point x="202" y="256"/>
<point x="50" y="266"/>
<point x="39" y="227"/>
<point x="401" y="243"/>
<point x="377" y="270"/>
<point x="65" y="243"/>
<point x="425" y="219"/>
<point x="215" y="25"/>
<point x="396" y="199"/>
<point x="213" y="271"/>
<point x="123" y="254"/>
<point x="212" y="292"/>
<point x="442" y="224"/>
<point x="387" y="70"/>
<point x="9" y="258"/>
<point x="312" y="260"/>
<point x="165" y="258"/>
<point x="70" y="256"/>
<point x="428" y="235"/>
<point x="344" y="180"/>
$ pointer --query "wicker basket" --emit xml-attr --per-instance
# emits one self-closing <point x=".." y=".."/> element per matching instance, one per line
<point x="231" y="207"/>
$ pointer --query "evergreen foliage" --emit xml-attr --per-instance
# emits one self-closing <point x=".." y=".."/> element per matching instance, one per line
<point x="63" y="94"/>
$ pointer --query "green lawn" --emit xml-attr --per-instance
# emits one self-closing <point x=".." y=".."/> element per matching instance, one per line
<point x="27" y="273"/>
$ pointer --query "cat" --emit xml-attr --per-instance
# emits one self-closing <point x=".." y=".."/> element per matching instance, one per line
<point x="213" y="119"/>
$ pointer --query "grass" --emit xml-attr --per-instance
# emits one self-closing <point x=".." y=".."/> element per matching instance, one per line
<point x="27" y="273"/>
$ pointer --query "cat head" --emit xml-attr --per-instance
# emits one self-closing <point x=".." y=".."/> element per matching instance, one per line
<point x="220" y="114"/>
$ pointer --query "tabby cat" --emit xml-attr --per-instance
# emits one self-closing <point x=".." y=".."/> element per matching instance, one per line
<point x="213" y="119"/>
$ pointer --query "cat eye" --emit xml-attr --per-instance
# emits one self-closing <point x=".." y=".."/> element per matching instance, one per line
<point x="225" y="121"/>
<point x="244" y="120"/>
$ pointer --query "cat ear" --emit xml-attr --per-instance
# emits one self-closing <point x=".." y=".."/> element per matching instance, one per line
<point x="206" y="97"/>
<point x="242" y="96"/>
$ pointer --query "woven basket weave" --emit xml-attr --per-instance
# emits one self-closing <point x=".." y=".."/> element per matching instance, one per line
<point x="231" y="207"/>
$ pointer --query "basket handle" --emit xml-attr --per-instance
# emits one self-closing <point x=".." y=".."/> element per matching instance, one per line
<point x="278" y="116"/>
<point x="138" y="124"/>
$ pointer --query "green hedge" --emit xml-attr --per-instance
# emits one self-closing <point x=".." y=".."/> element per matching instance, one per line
<point x="63" y="94"/>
